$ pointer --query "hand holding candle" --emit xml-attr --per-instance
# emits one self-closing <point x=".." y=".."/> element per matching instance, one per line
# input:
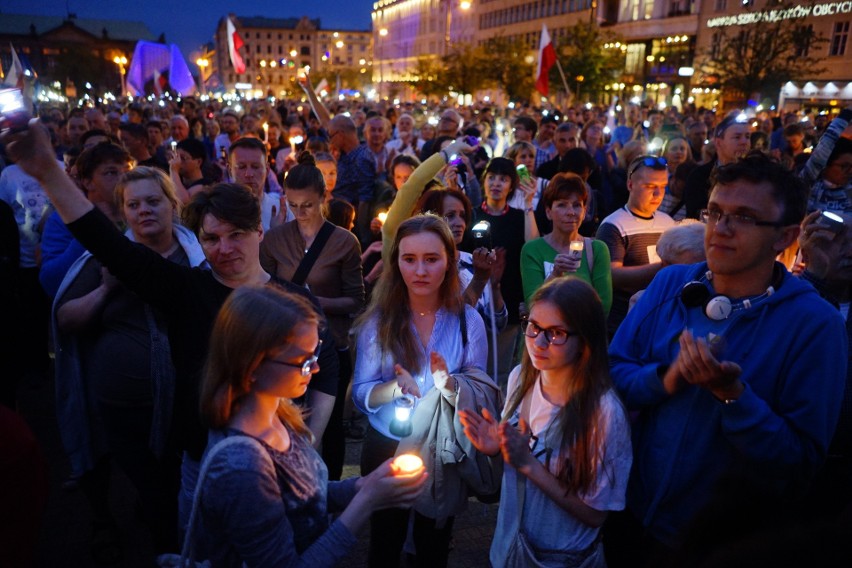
<point x="405" y="465"/>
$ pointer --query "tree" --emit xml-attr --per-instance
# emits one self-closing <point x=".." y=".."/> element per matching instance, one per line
<point x="588" y="65"/>
<point x="507" y="67"/>
<point x="429" y="77"/>
<point x="757" y="59"/>
<point x="465" y="69"/>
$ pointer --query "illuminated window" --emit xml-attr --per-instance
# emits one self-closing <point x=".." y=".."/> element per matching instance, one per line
<point x="838" y="38"/>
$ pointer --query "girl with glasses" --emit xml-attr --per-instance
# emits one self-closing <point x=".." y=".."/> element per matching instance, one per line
<point x="265" y="498"/>
<point x="564" y="435"/>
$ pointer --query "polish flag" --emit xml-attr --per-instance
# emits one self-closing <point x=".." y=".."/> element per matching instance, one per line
<point x="15" y="76"/>
<point x="546" y="60"/>
<point x="235" y="42"/>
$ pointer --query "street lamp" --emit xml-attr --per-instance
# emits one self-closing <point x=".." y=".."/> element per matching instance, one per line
<point x="203" y="63"/>
<point x="121" y="61"/>
<point x="464" y="5"/>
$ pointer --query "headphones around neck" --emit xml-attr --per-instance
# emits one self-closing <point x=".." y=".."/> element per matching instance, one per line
<point x="719" y="307"/>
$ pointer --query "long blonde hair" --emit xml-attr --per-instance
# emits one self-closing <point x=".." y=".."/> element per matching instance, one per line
<point x="389" y="305"/>
<point x="582" y="440"/>
<point x="253" y="321"/>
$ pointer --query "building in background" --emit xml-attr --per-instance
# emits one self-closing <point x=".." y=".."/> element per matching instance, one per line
<point x="276" y="49"/>
<point x="830" y="89"/>
<point x="69" y="53"/>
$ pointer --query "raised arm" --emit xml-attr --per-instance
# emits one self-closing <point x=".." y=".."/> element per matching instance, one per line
<point x="316" y="104"/>
<point x="31" y="151"/>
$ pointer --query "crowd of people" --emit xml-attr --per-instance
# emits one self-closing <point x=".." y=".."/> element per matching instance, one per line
<point x="628" y="325"/>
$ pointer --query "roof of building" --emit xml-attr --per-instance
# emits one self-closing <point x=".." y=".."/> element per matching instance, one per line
<point x="283" y="23"/>
<point x="21" y="24"/>
<point x="287" y="23"/>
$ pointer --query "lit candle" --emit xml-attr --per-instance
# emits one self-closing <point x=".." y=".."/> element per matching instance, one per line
<point x="266" y="132"/>
<point x="406" y="464"/>
<point x="576" y="248"/>
<point x="382" y="216"/>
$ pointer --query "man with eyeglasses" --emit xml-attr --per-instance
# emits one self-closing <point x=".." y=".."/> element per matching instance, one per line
<point x="735" y="368"/>
<point x="631" y="234"/>
<point x="227" y="221"/>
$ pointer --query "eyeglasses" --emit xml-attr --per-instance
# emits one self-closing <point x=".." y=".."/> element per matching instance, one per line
<point x="735" y="220"/>
<point x="553" y="335"/>
<point x="307" y="366"/>
<point x="653" y="162"/>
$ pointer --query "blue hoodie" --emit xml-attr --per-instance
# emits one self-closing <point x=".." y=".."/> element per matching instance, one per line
<point x="792" y="349"/>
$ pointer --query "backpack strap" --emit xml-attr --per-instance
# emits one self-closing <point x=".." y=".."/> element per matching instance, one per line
<point x="590" y="253"/>
<point x="312" y="255"/>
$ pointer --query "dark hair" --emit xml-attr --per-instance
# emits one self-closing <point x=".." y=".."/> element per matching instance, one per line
<point x="794" y="129"/>
<point x="577" y="161"/>
<point x="104" y="153"/>
<point x="582" y="442"/>
<point x="195" y="149"/>
<point x="305" y="175"/>
<point x="843" y="146"/>
<point x="436" y="145"/>
<point x="316" y="144"/>
<point x="112" y="138"/>
<point x="502" y="167"/>
<point x="135" y="130"/>
<point x="432" y="201"/>
<point x="564" y="185"/>
<point x="410" y="161"/>
<point x="249" y="144"/>
<point x="229" y="202"/>
<point x="341" y="213"/>
<point x="788" y="190"/>
<point x="154" y="124"/>
<point x="527" y="123"/>
<point x="732" y="119"/>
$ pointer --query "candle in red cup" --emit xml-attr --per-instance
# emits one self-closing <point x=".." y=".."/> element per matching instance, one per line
<point x="406" y="464"/>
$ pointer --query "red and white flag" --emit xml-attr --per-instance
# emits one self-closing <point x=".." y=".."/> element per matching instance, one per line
<point x="546" y="60"/>
<point x="15" y="75"/>
<point x="235" y="42"/>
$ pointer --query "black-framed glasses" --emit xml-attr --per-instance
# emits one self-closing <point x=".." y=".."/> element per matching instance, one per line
<point x="307" y="366"/>
<point x="653" y="162"/>
<point x="553" y="335"/>
<point x="735" y="220"/>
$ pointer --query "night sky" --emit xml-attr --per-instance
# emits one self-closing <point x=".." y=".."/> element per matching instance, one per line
<point x="191" y="23"/>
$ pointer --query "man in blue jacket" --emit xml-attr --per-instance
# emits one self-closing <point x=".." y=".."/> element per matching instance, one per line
<point x="735" y="366"/>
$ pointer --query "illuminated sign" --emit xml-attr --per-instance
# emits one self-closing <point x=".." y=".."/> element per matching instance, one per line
<point x="772" y="16"/>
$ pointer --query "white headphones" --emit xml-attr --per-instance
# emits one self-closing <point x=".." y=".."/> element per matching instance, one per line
<point x="717" y="307"/>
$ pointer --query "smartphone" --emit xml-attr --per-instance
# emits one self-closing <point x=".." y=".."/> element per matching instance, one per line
<point x="471" y="141"/>
<point x="481" y="232"/>
<point x="830" y="221"/>
<point x="523" y="173"/>
<point x="14" y="115"/>
<point x="457" y="163"/>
